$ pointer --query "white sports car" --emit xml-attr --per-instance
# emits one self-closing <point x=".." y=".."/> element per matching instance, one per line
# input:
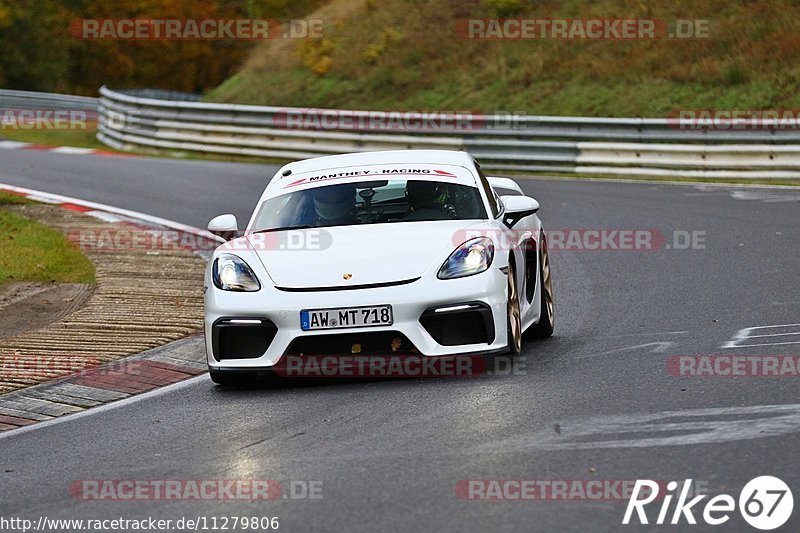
<point x="381" y="253"/>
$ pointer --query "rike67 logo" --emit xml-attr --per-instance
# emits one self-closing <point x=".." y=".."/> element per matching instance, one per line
<point x="765" y="503"/>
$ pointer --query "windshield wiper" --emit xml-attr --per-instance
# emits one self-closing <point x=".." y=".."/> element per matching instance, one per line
<point x="284" y="228"/>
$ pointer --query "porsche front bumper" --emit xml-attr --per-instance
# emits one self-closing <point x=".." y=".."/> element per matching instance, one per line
<point x="274" y="315"/>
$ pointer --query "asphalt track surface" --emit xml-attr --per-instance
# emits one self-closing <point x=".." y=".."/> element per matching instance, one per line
<point x="595" y="402"/>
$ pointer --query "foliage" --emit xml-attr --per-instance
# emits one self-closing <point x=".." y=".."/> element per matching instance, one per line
<point x="39" y="52"/>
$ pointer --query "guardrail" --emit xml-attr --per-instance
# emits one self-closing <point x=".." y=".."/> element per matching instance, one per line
<point x="10" y="99"/>
<point x="615" y="146"/>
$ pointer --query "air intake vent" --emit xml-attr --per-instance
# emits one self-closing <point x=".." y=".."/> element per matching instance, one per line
<point x="241" y="338"/>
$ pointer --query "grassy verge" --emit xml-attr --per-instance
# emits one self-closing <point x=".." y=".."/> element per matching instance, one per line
<point x="77" y="138"/>
<point x="30" y="251"/>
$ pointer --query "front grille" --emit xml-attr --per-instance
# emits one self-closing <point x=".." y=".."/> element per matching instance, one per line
<point x="473" y="324"/>
<point x="241" y="338"/>
<point x="368" y="343"/>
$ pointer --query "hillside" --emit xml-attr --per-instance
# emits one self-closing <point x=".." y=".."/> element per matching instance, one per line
<point x="407" y="54"/>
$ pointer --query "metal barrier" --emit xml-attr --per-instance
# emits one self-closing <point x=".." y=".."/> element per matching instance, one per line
<point x="46" y="101"/>
<point x="576" y="145"/>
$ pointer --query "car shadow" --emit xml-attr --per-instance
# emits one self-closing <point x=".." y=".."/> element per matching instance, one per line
<point x="449" y="368"/>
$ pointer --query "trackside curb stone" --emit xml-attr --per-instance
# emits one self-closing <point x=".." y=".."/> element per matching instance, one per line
<point x="114" y="381"/>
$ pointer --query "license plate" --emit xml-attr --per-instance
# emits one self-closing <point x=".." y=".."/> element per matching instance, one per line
<point x="346" y="317"/>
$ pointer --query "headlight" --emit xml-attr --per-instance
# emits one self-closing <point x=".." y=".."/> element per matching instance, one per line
<point x="472" y="257"/>
<point x="231" y="273"/>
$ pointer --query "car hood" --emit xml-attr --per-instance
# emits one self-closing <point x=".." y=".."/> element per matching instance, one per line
<point x="357" y="255"/>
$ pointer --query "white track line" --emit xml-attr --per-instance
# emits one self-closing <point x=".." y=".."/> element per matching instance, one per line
<point x="105" y="407"/>
<point x="13" y="145"/>
<point x="744" y="334"/>
<point x="72" y="150"/>
<point x="58" y="199"/>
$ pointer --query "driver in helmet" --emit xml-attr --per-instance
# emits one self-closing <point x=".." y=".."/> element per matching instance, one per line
<point x="335" y="205"/>
<point x="422" y="201"/>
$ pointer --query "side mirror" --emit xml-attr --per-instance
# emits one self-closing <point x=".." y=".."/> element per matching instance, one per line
<point x="506" y="184"/>
<point x="517" y="208"/>
<point x="224" y="226"/>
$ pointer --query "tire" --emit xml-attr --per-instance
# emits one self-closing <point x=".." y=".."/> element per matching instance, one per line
<point x="233" y="379"/>
<point x="544" y="328"/>
<point x="514" y="320"/>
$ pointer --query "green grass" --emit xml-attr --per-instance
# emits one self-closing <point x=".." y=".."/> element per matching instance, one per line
<point x="30" y="251"/>
<point x="8" y="198"/>
<point x="77" y="138"/>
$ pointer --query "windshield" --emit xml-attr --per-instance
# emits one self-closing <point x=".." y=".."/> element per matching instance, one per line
<point x="370" y="202"/>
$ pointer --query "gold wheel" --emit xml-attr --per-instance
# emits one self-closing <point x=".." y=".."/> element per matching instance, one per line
<point x="514" y="317"/>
